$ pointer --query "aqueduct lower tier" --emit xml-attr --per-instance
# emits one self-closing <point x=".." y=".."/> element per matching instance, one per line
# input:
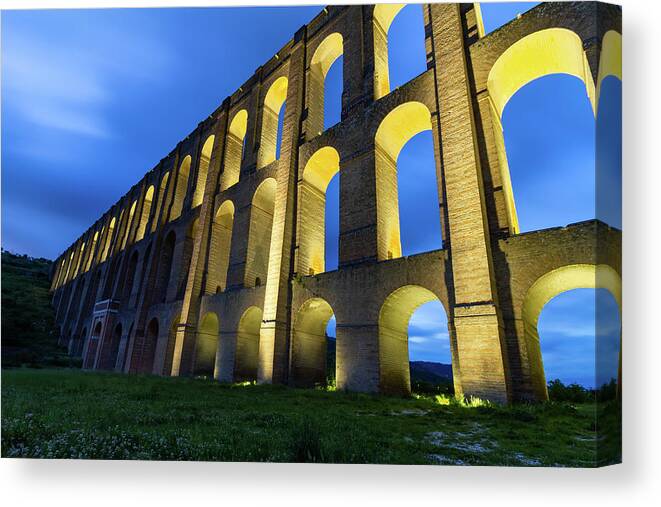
<point x="213" y="263"/>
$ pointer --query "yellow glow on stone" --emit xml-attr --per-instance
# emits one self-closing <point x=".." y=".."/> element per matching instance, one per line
<point x="550" y="51"/>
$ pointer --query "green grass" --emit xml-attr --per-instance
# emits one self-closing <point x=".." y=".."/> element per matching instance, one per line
<point x="75" y="414"/>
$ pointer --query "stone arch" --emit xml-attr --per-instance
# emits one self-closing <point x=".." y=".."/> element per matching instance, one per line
<point x="90" y="258"/>
<point x="79" y="261"/>
<point x="234" y="148"/>
<point x="309" y="343"/>
<point x="219" y="251"/>
<point x="394" y="317"/>
<point x="550" y="285"/>
<point x="273" y="102"/>
<point x="144" y="216"/>
<point x="322" y="166"/>
<point x="206" y="345"/>
<point x="149" y="347"/>
<point x="182" y="268"/>
<point x="542" y="53"/>
<point x="247" y="345"/>
<point x="181" y="188"/>
<point x="259" y="234"/>
<point x="162" y="189"/>
<point x="164" y="268"/>
<point x="106" y="248"/>
<point x="610" y="59"/>
<point x="396" y="129"/>
<point x="129" y="279"/>
<point x="383" y="16"/>
<point x="330" y="49"/>
<point x="203" y="170"/>
<point x="129" y="223"/>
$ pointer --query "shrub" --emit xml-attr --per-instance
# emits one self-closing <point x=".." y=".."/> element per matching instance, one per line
<point x="572" y="393"/>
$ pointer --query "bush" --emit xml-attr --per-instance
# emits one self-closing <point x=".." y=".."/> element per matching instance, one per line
<point x="572" y="393"/>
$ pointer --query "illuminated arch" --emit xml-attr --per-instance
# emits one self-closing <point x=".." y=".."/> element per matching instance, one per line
<point x="548" y="286"/>
<point x="394" y="317"/>
<point x="181" y="188"/>
<point x="206" y="345"/>
<point x="79" y="261"/>
<point x="259" y="235"/>
<point x="162" y="188"/>
<point x="396" y="129"/>
<point x="106" y="248"/>
<point x="144" y="216"/>
<point x="234" y="149"/>
<point x="219" y="251"/>
<point x="330" y="49"/>
<point x="309" y="343"/>
<point x="247" y="345"/>
<point x="383" y="16"/>
<point x="129" y="222"/>
<point x="610" y="59"/>
<point x="546" y="52"/>
<point x="317" y="174"/>
<point x="90" y="257"/>
<point x="273" y="102"/>
<point x="203" y="170"/>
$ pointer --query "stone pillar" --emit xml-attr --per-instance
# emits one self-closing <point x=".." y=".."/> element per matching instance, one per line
<point x="184" y="348"/>
<point x="477" y="322"/>
<point x="274" y="335"/>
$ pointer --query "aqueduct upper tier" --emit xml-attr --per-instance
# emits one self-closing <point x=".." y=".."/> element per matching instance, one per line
<point x="214" y="262"/>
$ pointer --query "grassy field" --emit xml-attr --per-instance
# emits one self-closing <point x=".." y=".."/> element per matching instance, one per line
<point x="73" y="414"/>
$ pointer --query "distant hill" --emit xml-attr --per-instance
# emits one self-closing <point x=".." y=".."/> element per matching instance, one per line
<point x="28" y="320"/>
<point x="426" y="376"/>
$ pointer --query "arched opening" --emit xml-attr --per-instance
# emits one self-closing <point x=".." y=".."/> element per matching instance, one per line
<point x="219" y="250"/>
<point x="149" y="347"/>
<point x="323" y="165"/>
<point x="395" y="131"/>
<point x="90" y="257"/>
<point x="79" y="261"/>
<point x="552" y="284"/>
<point x="161" y="197"/>
<point x="144" y="216"/>
<point x="181" y="188"/>
<point x="206" y="346"/>
<point x="129" y="223"/>
<point x="106" y="248"/>
<point x="247" y="345"/>
<point x="324" y="57"/>
<point x="186" y="257"/>
<point x="272" y="118"/>
<point x="310" y="344"/>
<point x="394" y="322"/>
<point x="234" y="145"/>
<point x="609" y="132"/>
<point x="143" y="273"/>
<point x="203" y="170"/>
<point x="130" y="279"/>
<point x="259" y="235"/>
<point x="164" y="268"/>
<point x="399" y="46"/>
<point x="543" y="53"/>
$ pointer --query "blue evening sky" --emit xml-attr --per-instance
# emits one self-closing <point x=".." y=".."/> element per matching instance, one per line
<point x="92" y="99"/>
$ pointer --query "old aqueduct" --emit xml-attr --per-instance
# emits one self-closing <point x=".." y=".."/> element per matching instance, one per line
<point x="214" y="262"/>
